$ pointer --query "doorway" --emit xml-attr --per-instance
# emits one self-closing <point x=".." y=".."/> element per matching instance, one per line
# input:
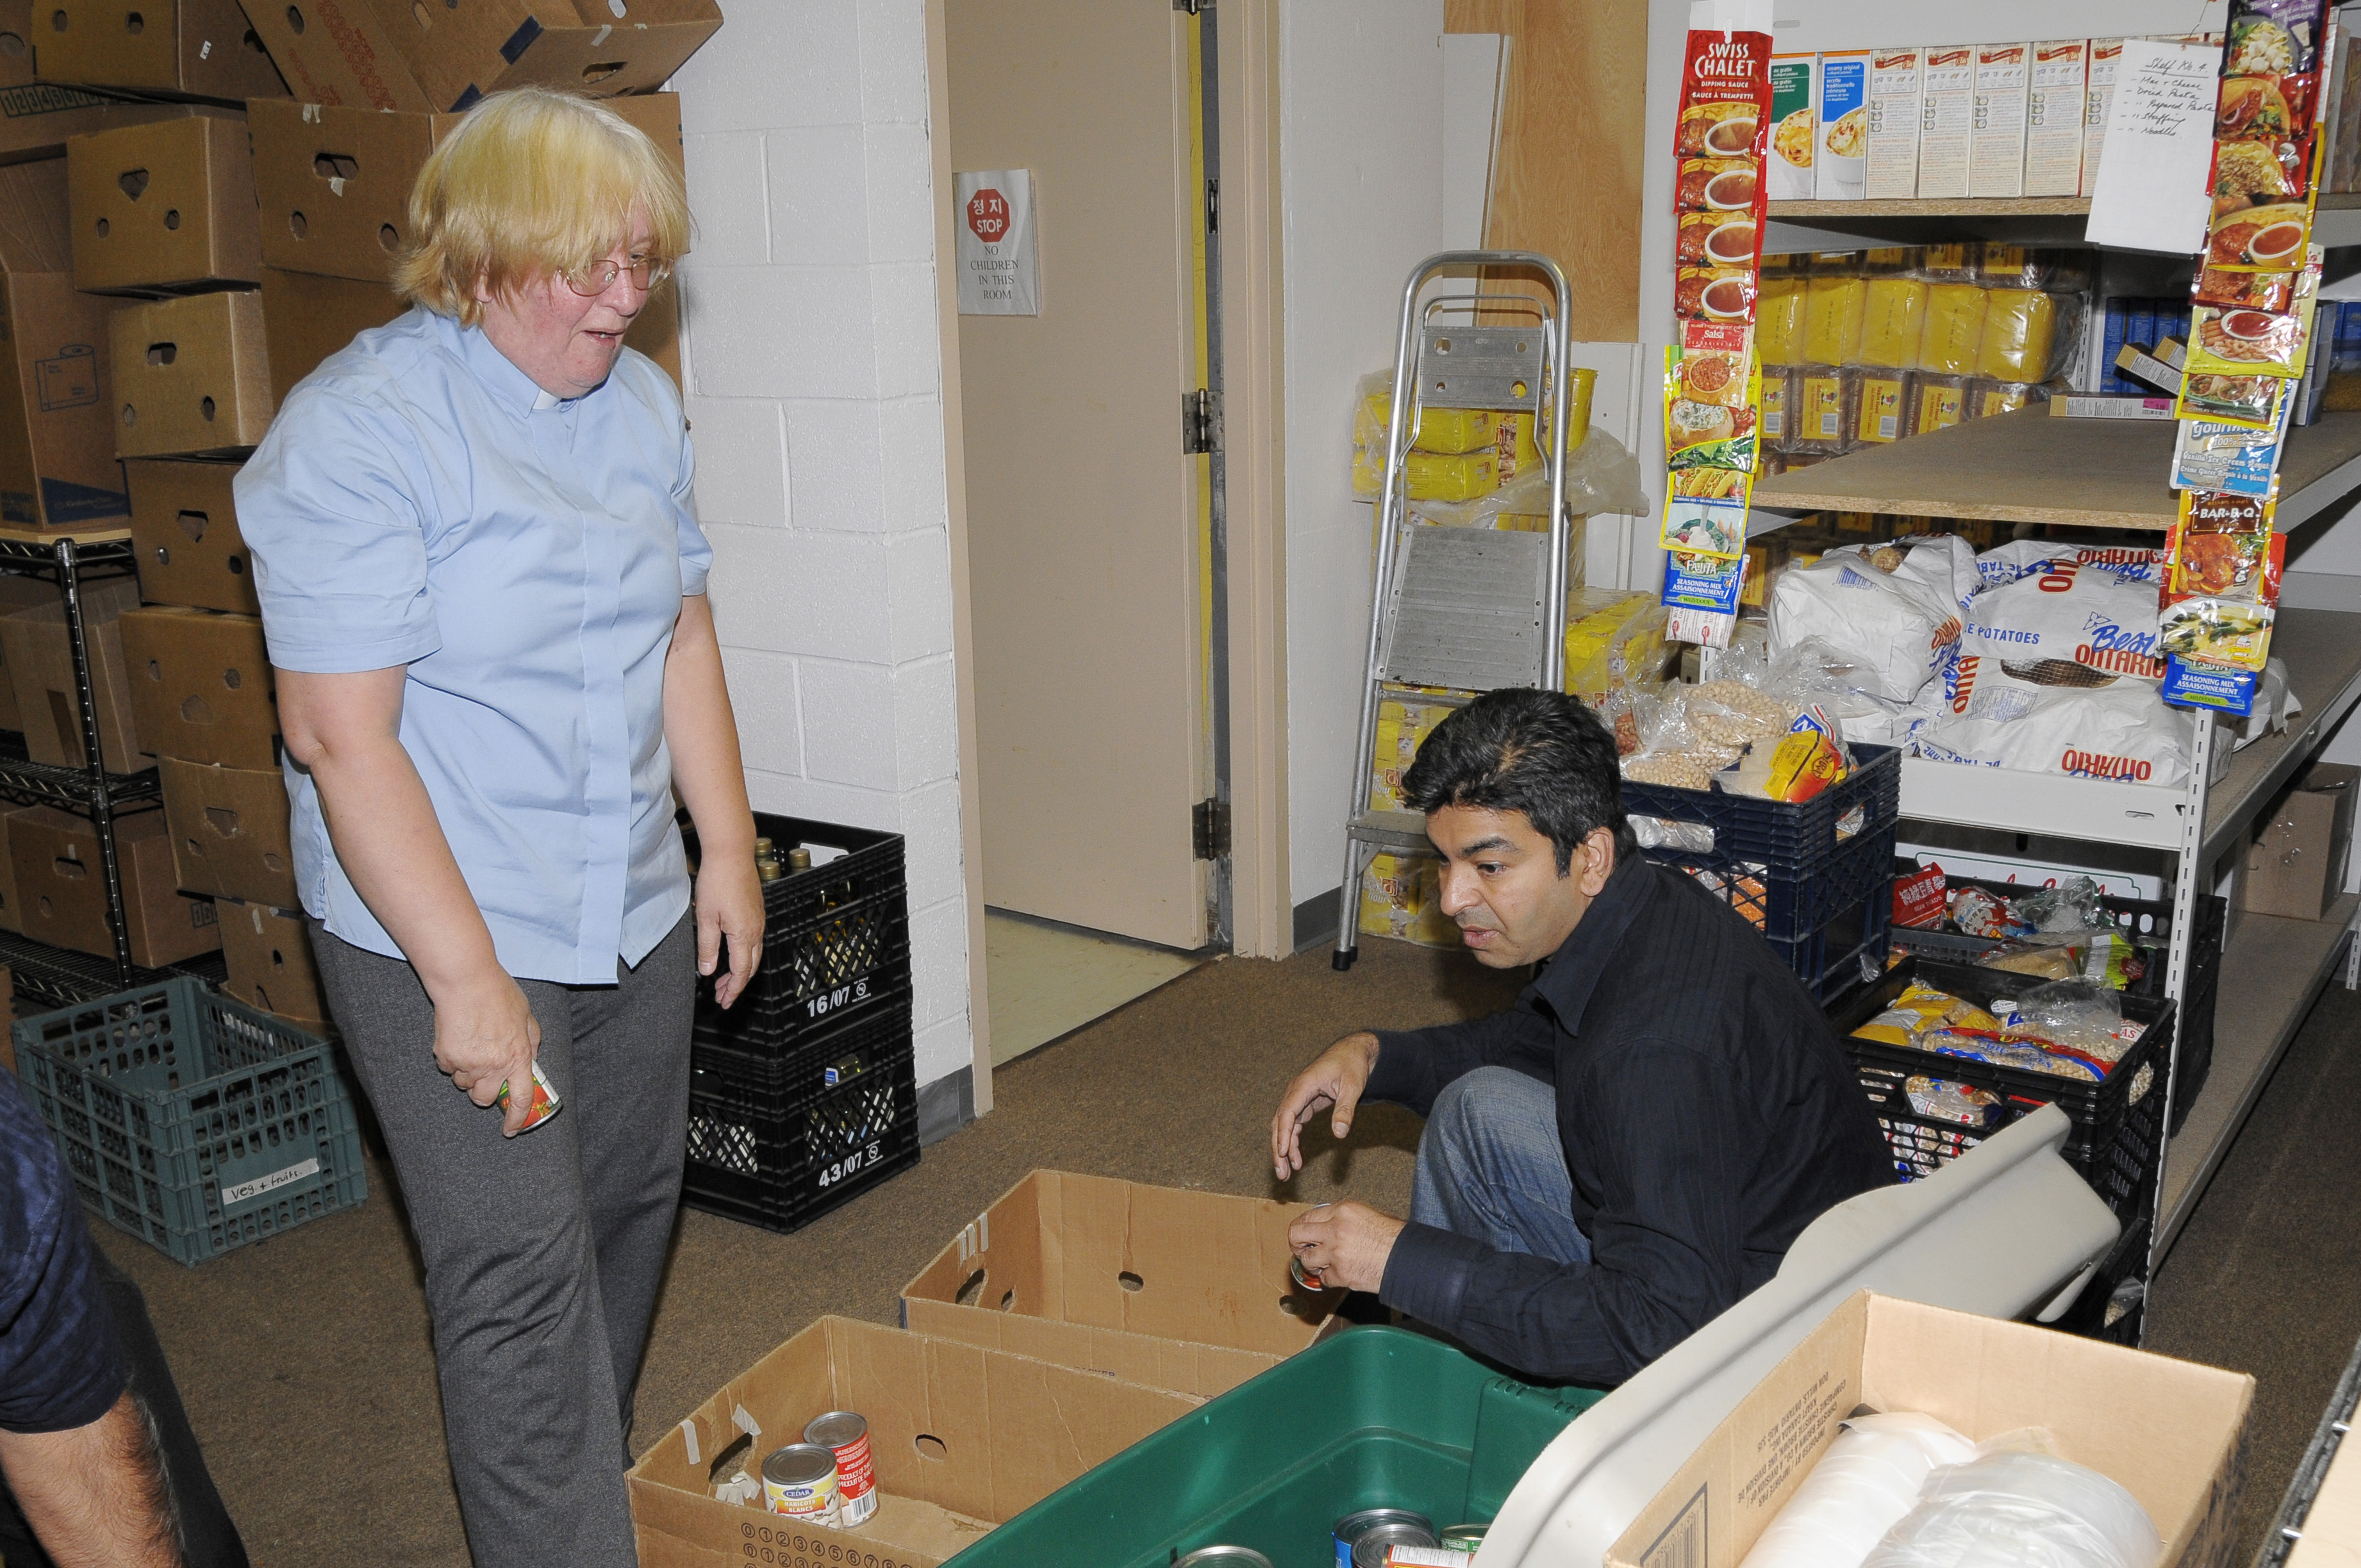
<point x="1094" y="564"/>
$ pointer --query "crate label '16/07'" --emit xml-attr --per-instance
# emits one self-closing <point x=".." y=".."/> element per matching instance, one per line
<point x="841" y="997"/>
<point x="245" y="1191"/>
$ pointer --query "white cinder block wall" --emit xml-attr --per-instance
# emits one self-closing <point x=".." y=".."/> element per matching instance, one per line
<point x="815" y="373"/>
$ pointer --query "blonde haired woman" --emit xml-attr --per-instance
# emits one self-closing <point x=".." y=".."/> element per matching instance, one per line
<point x="483" y="585"/>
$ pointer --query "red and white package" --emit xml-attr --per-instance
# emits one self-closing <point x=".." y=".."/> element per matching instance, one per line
<point x="1919" y="899"/>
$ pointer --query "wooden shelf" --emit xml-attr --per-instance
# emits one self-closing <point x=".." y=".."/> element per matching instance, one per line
<point x="2030" y="466"/>
<point x="1982" y="207"/>
<point x="2272" y="971"/>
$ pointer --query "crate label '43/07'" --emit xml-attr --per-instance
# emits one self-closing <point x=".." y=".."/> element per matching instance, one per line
<point x="853" y="1164"/>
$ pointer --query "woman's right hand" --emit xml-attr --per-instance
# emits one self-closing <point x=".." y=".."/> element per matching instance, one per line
<point x="485" y="1036"/>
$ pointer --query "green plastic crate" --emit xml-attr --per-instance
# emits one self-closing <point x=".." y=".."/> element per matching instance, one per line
<point x="191" y="1119"/>
<point x="1373" y="1418"/>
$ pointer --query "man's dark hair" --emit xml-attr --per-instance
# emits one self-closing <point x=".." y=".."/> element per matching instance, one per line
<point x="1543" y="753"/>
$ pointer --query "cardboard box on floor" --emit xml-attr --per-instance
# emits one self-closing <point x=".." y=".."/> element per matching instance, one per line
<point x="167" y="206"/>
<point x="203" y="48"/>
<point x="40" y="656"/>
<point x="200" y="686"/>
<point x="1175" y="1290"/>
<point x="191" y="375"/>
<point x="2295" y="867"/>
<point x="961" y="1439"/>
<point x="269" y="957"/>
<point x="2171" y="1433"/>
<point x="61" y="885"/>
<point x="333" y="182"/>
<point x="230" y="831"/>
<point x="184" y="531"/>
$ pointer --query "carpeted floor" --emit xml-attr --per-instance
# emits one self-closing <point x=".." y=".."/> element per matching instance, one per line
<point x="305" y="1364"/>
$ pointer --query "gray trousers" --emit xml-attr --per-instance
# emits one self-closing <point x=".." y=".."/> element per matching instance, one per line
<point x="543" y="1252"/>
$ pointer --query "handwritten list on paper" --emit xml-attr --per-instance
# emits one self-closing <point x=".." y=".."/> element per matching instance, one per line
<point x="2159" y="150"/>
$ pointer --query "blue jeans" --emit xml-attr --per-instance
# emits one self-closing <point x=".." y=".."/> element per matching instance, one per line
<point x="1491" y="1166"/>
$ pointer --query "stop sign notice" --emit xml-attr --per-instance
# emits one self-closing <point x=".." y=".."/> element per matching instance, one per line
<point x="987" y="215"/>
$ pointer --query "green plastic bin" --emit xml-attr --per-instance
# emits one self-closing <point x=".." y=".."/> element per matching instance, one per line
<point x="1373" y="1418"/>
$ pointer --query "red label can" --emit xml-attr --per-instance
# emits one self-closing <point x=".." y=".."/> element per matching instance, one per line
<point x="846" y="1434"/>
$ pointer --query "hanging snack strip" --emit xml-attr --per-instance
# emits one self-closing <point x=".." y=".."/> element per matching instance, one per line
<point x="2249" y="335"/>
<point x="1713" y="385"/>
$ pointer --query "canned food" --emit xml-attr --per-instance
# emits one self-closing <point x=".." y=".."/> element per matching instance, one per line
<point x="1463" y="1536"/>
<point x="846" y="1434"/>
<point x="1305" y="1279"/>
<point x="1222" y="1557"/>
<point x="1363" y="1539"/>
<point x="1428" y="1557"/>
<point x="799" y="1481"/>
<point x="545" y="1102"/>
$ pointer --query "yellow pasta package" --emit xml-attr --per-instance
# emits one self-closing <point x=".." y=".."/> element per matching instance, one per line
<point x="1449" y="430"/>
<point x="1878" y="408"/>
<point x="1955" y="329"/>
<point x="1779" y="320"/>
<point x="1833" y="309"/>
<point x="2018" y="326"/>
<point x="1893" y="320"/>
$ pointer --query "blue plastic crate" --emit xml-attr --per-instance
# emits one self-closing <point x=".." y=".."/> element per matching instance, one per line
<point x="1786" y="837"/>
<point x="191" y="1119"/>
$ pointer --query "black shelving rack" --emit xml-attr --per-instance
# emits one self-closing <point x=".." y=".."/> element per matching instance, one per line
<point x="60" y="977"/>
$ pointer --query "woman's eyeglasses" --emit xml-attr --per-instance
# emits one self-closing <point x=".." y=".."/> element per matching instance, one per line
<point x="599" y="277"/>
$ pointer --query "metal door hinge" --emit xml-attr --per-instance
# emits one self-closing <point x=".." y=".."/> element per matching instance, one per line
<point x="1213" y="206"/>
<point x="1191" y="6"/>
<point x="1201" y="420"/>
<point x="1210" y="830"/>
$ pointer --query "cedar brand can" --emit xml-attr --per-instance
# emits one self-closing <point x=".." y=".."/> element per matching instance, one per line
<point x="799" y="1481"/>
<point x="545" y="1102"/>
<point x="1362" y="1539"/>
<point x="846" y="1435"/>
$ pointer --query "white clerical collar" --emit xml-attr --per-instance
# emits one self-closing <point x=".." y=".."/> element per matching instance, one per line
<point x="545" y="399"/>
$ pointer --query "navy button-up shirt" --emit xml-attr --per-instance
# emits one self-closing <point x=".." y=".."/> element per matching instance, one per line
<point x="1708" y="1113"/>
<point x="420" y="501"/>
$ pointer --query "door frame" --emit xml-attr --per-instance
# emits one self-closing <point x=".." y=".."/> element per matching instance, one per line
<point x="1254" y="443"/>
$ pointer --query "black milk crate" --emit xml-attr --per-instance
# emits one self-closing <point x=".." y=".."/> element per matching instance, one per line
<point x="191" y="1119"/>
<point x="2196" y="1062"/>
<point x="2116" y="1136"/>
<point x="2095" y="1314"/>
<point x="1826" y="923"/>
<point x="1798" y="837"/>
<point x="835" y="939"/>
<point x="779" y="1150"/>
<point x="2145" y="922"/>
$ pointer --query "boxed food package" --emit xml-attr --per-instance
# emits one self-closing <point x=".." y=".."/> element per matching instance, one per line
<point x="61" y="887"/>
<point x="190" y="375"/>
<point x="1404" y="721"/>
<point x="201" y="48"/>
<point x="961" y="1439"/>
<point x="40" y="654"/>
<point x="166" y="206"/>
<point x="1779" y="306"/>
<point x="1823" y="409"/>
<point x="184" y="532"/>
<point x="1840" y="163"/>
<point x="2098" y="102"/>
<point x="2170" y="1433"/>
<point x="269" y="953"/>
<point x="1955" y="329"/>
<point x="1401" y="897"/>
<point x="1795" y="126"/>
<point x="1947" y="121"/>
<point x="2058" y="83"/>
<point x="1879" y="407"/>
<point x="1835" y="312"/>
<point x="2295" y="867"/>
<point x="230" y="831"/>
<point x="1893" y="319"/>
<point x="1996" y="152"/>
<point x="1893" y="110"/>
<point x="1150" y="1284"/>
<point x="202" y="688"/>
<point x="57" y="415"/>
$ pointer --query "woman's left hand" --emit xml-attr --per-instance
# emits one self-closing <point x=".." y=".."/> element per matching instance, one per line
<point x="729" y="900"/>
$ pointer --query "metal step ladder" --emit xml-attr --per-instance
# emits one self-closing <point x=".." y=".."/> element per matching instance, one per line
<point x="1467" y="609"/>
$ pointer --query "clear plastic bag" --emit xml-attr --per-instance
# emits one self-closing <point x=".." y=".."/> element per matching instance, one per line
<point x="2071" y="906"/>
<point x="2020" y="1510"/>
<point x="1865" y="1483"/>
<point x="2077" y="1014"/>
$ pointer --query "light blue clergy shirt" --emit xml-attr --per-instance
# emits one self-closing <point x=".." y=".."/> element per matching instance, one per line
<point x="420" y="501"/>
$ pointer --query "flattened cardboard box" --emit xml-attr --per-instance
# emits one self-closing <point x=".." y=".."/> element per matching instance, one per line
<point x="201" y="687"/>
<point x="57" y="424"/>
<point x="61" y="884"/>
<point x="334" y="180"/>
<point x="1175" y="1290"/>
<point x="230" y="831"/>
<point x="164" y="206"/>
<point x="203" y="48"/>
<point x="2172" y="1433"/>
<point x="184" y="531"/>
<point x="961" y="1439"/>
<point x="191" y="375"/>
<point x="268" y="953"/>
<point x="40" y="654"/>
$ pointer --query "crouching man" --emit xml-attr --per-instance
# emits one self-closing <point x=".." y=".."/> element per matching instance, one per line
<point x="1635" y="1143"/>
